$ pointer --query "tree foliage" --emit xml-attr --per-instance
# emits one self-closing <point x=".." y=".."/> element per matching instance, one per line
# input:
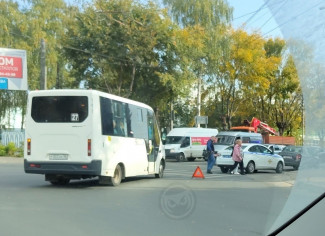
<point x="159" y="56"/>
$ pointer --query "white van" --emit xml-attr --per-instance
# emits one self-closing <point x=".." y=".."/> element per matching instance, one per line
<point x="187" y="143"/>
<point x="227" y="138"/>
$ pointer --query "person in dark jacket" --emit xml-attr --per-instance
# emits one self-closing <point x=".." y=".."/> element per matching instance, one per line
<point x="211" y="154"/>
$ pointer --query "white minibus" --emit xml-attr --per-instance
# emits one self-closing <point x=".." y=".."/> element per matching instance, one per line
<point x="227" y="138"/>
<point x="79" y="134"/>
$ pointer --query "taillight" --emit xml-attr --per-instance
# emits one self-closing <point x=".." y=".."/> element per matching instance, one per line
<point x="298" y="157"/>
<point x="35" y="165"/>
<point x="29" y="146"/>
<point x="89" y="147"/>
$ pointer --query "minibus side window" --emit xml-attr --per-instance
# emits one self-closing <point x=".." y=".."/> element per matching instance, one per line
<point x="113" y="116"/>
<point x="136" y="121"/>
<point x="106" y="116"/>
<point x="119" y="119"/>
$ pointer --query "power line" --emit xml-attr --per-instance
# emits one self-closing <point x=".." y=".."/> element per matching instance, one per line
<point x="292" y="18"/>
<point x="273" y="15"/>
<point x="249" y="13"/>
<point x="257" y="11"/>
<point x="262" y="16"/>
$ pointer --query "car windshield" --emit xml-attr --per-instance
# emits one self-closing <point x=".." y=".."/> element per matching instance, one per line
<point x="160" y="64"/>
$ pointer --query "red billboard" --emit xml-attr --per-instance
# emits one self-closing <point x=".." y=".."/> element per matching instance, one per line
<point x="200" y="140"/>
<point x="11" y="67"/>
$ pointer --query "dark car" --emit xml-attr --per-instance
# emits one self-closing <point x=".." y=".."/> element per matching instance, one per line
<point x="292" y="156"/>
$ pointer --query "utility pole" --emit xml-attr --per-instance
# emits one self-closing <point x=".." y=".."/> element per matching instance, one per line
<point x="199" y="100"/>
<point x="302" y="120"/>
<point x="172" y="115"/>
<point x="43" y="79"/>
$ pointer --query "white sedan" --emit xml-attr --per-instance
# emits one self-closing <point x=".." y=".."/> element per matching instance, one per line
<point x="256" y="157"/>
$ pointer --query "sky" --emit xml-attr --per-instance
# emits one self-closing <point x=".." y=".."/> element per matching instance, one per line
<point x="254" y="15"/>
<point x="250" y="14"/>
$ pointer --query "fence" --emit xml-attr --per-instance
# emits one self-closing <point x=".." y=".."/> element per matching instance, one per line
<point x="15" y="136"/>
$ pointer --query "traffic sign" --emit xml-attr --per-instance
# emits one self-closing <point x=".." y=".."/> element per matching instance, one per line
<point x="13" y="69"/>
<point x="3" y="83"/>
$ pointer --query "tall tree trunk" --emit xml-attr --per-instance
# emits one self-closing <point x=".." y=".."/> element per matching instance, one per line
<point x="58" y="85"/>
<point x="132" y="82"/>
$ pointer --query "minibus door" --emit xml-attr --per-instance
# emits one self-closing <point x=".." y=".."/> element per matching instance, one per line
<point x="153" y="142"/>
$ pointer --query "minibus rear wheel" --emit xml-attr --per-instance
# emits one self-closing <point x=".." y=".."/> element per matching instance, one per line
<point x="161" y="170"/>
<point x="114" y="180"/>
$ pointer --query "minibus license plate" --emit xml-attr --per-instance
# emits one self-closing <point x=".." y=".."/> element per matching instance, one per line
<point x="58" y="156"/>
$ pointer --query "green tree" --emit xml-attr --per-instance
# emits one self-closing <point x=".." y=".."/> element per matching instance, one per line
<point x="203" y="23"/>
<point x="206" y="13"/>
<point x="287" y="98"/>
<point x="22" y="27"/>
<point x="240" y="71"/>
<point x="128" y="49"/>
<point x="12" y="28"/>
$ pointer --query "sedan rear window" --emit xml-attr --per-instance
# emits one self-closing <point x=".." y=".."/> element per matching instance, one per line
<point x="292" y="149"/>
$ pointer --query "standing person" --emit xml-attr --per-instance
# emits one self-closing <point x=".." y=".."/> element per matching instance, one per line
<point x="237" y="156"/>
<point x="210" y="150"/>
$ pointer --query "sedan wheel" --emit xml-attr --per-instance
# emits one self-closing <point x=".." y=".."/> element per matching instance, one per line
<point x="224" y="169"/>
<point x="250" y="168"/>
<point x="279" y="168"/>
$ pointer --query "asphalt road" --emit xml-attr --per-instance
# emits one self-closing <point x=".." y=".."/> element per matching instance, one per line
<point x="219" y="204"/>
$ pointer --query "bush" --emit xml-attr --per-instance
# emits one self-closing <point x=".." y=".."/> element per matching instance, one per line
<point x="11" y="149"/>
<point x="3" y="150"/>
<point x="19" y="152"/>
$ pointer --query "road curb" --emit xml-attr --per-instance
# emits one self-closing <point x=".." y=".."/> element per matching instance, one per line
<point x="5" y="159"/>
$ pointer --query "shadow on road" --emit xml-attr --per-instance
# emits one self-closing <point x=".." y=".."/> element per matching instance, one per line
<point x="79" y="184"/>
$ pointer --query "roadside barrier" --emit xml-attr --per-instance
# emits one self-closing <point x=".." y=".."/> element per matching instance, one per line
<point x="16" y="136"/>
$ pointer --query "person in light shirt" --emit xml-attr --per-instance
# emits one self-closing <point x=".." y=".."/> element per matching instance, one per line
<point x="237" y="156"/>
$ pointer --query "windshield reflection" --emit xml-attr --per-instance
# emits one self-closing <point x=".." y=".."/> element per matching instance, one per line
<point x="302" y="24"/>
